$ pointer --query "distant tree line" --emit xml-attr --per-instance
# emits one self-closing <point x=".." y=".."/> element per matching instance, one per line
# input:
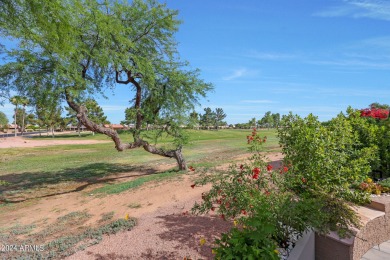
<point x="269" y="120"/>
<point x="47" y="113"/>
<point x="209" y="120"/>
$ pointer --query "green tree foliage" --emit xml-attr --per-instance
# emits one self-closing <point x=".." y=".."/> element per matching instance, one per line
<point x="252" y="123"/>
<point x="3" y="120"/>
<point x="194" y="120"/>
<point x="243" y="126"/>
<point x="19" y="116"/>
<point x="267" y="120"/>
<point x="16" y="101"/>
<point x="378" y="105"/>
<point x="130" y="116"/>
<point x="95" y="112"/>
<point x="212" y="118"/>
<point x="48" y="111"/>
<point x="207" y="119"/>
<point x="71" y="48"/>
<point x="276" y="119"/>
<point x="219" y="116"/>
<point x="31" y="120"/>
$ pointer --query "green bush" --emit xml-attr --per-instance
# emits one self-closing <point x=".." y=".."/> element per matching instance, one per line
<point x="253" y="239"/>
<point x="312" y="190"/>
<point x="385" y="183"/>
<point x="328" y="160"/>
<point x="375" y="134"/>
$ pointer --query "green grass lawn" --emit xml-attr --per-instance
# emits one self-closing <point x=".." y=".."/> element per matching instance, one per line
<point x="30" y="168"/>
<point x="28" y="174"/>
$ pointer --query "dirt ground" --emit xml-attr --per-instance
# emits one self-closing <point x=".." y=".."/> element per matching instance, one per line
<point x="13" y="142"/>
<point x="164" y="230"/>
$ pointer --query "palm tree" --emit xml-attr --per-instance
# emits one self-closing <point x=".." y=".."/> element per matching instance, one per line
<point x="16" y="100"/>
<point x="24" y="102"/>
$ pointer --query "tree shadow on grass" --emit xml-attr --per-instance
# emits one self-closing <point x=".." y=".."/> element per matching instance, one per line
<point x="60" y="136"/>
<point x="86" y="175"/>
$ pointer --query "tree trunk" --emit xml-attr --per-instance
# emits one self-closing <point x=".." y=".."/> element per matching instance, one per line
<point x="119" y="145"/>
<point x="24" y="111"/>
<point x="180" y="160"/>
<point x="78" y="128"/>
<point x="16" y="108"/>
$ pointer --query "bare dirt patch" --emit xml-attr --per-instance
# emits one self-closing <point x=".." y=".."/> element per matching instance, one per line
<point x="164" y="230"/>
<point x="13" y="142"/>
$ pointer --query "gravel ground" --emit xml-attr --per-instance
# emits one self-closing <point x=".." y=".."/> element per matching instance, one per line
<point x="167" y="233"/>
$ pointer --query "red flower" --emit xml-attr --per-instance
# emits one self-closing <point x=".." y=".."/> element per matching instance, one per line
<point x="251" y="138"/>
<point x="269" y="167"/>
<point x="256" y="170"/>
<point x="241" y="167"/>
<point x="285" y="169"/>
<point x="193" y="186"/>
<point x="255" y="176"/>
<point x="191" y="168"/>
<point x="304" y="180"/>
<point x="219" y="201"/>
<point x="243" y="211"/>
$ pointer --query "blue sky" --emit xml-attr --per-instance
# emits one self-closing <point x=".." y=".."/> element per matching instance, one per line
<point x="304" y="56"/>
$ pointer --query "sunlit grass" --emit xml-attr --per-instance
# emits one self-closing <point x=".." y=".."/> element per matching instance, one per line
<point x="26" y="170"/>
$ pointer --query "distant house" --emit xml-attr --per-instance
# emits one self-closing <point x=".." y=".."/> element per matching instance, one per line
<point x="75" y="127"/>
<point x="12" y="127"/>
<point x="115" y="126"/>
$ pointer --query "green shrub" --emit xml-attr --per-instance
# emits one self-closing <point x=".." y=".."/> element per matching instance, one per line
<point x="312" y="189"/>
<point x="375" y="134"/>
<point x="327" y="159"/>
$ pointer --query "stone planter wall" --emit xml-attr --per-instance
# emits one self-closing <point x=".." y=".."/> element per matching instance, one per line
<point x="375" y="230"/>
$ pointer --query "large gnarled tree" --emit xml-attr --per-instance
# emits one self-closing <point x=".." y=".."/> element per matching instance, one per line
<point x="74" y="47"/>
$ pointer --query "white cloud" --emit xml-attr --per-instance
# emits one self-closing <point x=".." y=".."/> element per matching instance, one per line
<point x="372" y="53"/>
<point x="269" y="55"/>
<point x="258" y="101"/>
<point x="311" y="109"/>
<point x="353" y="63"/>
<point x="375" y="9"/>
<point x="336" y="11"/>
<point x="236" y="74"/>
